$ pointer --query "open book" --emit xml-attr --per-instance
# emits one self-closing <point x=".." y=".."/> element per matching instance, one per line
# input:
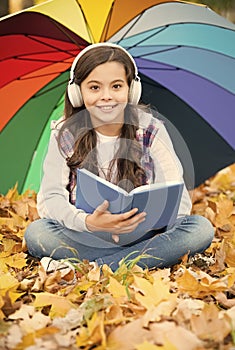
<point x="159" y="200"/>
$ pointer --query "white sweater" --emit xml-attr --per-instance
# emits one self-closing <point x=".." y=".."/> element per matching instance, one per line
<point x="53" y="197"/>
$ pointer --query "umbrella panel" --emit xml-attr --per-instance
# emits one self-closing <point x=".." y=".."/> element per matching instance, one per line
<point x="202" y="95"/>
<point x="24" y="89"/>
<point x="34" y="174"/>
<point x="19" y="139"/>
<point x="163" y="15"/>
<point x="209" y="151"/>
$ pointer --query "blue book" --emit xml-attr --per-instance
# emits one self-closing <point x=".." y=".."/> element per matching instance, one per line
<point x="159" y="200"/>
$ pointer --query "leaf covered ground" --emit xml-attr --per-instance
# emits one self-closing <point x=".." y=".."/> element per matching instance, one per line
<point x="190" y="306"/>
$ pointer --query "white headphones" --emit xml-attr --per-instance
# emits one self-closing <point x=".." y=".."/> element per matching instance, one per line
<point x="74" y="92"/>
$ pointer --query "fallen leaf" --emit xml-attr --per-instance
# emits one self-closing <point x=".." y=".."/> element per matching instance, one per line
<point x="149" y="294"/>
<point x="133" y="333"/>
<point x="116" y="288"/>
<point x="59" y="305"/>
<point x="30" y="320"/>
<point x="148" y="346"/>
<point x="199" y="284"/>
<point x="209" y="326"/>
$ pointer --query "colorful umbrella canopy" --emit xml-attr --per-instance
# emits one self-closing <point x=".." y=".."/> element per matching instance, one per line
<point x="184" y="56"/>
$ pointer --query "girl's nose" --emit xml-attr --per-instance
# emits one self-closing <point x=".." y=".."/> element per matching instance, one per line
<point x="106" y="94"/>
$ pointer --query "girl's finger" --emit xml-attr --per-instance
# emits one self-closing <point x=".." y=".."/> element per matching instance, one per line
<point x="115" y="238"/>
<point x="103" y="207"/>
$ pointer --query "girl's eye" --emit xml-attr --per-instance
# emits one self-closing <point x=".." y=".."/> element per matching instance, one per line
<point x="94" y="87"/>
<point x="117" y="86"/>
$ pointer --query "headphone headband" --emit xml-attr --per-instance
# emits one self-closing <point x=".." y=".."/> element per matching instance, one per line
<point x="91" y="47"/>
<point x="74" y="92"/>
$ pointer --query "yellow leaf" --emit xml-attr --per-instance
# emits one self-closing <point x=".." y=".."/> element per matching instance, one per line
<point x="9" y="222"/>
<point x="224" y="178"/>
<point x="149" y="294"/>
<point x="116" y="288"/>
<point x="17" y="260"/>
<point x="94" y="274"/>
<point x="164" y="308"/>
<point x="114" y="314"/>
<point x="79" y="290"/>
<point x="30" y="338"/>
<point x="94" y="332"/>
<point x="13" y="194"/>
<point x="18" y="221"/>
<point x="7" y="281"/>
<point x="10" y="246"/>
<point x="59" y="305"/>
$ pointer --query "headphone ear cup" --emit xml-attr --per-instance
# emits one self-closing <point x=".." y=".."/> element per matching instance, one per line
<point x="135" y="91"/>
<point x="75" y="96"/>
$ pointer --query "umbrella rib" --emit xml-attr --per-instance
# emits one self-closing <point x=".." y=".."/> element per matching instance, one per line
<point x="161" y="51"/>
<point x="159" y="69"/>
<point x="49" y="45"/>
<point x="22" y="58"/>
<point x="39" y="75"/>
<point x="129" y="29"/>
<point x="87" y="25"/>
<point x="104" y="34"/>
<point x="66" y="34"/>
<point x="148" y="37"/>
<point x="49" y="89"/>
<point x="192" y="73"/>
<point x="35" y="60"/>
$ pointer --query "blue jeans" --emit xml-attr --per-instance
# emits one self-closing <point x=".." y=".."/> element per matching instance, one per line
<point x="191" y="234"/>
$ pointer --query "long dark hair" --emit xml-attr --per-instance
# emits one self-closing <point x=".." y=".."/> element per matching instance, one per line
<point x="128" y="156"/>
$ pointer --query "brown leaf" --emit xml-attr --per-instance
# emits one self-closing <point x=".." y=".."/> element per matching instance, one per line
<point x="229" y="249"/>
<point x="209" y="326"/>
<point x="10" y="307"/>
<point x="224" y="301"/>
<point x="133" y="333"/>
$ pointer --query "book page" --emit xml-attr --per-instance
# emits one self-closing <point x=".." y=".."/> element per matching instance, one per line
<point x="152" y="186"/>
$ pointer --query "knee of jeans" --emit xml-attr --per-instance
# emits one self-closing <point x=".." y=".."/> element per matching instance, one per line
<point x="206" y="228"/>
<point x="32" y="233"/>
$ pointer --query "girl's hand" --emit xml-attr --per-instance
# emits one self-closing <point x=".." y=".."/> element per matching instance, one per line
<point x="102" y="220"/>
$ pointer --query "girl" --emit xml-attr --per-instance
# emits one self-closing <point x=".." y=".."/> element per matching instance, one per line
<point x="104" y="131"/>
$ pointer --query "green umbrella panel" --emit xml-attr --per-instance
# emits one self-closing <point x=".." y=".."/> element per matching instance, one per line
<point x="23" y="141"/>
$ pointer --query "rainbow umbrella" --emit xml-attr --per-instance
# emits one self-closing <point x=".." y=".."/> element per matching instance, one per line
<point x="184" y="56"/>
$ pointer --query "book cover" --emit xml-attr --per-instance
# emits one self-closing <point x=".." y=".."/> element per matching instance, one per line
<point x="159" y="200"/>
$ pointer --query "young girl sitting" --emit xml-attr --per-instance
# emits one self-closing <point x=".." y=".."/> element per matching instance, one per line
<point x="105" y="131"/>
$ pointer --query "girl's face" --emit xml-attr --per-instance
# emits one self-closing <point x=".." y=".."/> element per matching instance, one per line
<point x="105" y="94"/>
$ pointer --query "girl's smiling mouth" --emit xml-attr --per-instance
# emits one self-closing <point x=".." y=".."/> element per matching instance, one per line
<point x="107" y="108"/>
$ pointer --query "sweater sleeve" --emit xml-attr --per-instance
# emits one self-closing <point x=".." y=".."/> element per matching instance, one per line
<point x="53" y="197"/>
<point x="167" y="166"/>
